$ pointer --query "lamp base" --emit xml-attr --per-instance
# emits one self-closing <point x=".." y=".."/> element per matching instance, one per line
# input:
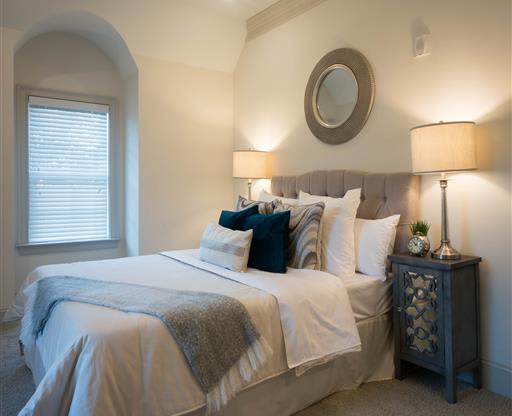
<point x="446" y="252"/>
<point x="249" y="189"/>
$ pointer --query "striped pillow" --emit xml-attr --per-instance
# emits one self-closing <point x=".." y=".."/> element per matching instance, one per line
<point x="225" y="248"/>
<point x="304" y="243"/>
<point x="265" y="208"/>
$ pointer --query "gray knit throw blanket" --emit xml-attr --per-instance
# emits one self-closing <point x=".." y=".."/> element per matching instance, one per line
<point x="215" y="332"/>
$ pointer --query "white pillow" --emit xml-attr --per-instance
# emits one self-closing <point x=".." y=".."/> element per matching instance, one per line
<point x="267" y="197"/>
<point x="337" y="241"/>
<point x="225" y="248"/>
<point x="374" y="242"/>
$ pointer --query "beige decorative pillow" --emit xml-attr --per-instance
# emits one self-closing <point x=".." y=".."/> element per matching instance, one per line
<point x="303" y="245"/>
<point x="225" y="248"/>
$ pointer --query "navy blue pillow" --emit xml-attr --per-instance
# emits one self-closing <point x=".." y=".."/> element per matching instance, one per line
<point x="269" y="247"/>
<point x="235" y="220"/>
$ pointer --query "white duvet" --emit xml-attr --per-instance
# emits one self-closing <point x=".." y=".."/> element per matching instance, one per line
<point x="94" y="360"/>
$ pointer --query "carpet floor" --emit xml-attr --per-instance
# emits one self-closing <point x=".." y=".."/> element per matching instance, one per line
<point x="420" y="394"/>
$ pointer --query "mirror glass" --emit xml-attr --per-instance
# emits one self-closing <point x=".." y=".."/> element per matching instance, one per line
<point x="336" y="96"/>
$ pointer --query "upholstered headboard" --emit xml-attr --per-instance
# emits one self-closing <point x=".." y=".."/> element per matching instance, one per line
<point x="382" y="194"/>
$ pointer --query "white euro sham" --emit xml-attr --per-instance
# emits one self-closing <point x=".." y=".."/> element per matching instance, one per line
<point x="374" y="241"/>
<point x="337" y="241"/>
<point x="268" y="197"/>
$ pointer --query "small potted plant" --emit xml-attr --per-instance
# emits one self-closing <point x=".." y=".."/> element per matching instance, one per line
<point x="419" y="244"/>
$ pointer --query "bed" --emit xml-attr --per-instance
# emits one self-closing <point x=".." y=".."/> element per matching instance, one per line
<point x="94" y="360"/>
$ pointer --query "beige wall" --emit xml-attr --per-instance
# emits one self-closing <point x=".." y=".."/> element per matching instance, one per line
<point x="65" y="62"/>
<point x="186" y="137"/>
<point x="7" y="167"/>
<point x="467" y="77"/>
<point x="131" y="164"/>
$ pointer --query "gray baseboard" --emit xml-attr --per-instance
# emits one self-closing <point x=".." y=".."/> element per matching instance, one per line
<point x="497" y="378"/>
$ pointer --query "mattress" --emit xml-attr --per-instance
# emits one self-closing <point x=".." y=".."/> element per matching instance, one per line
<point x="369" y="295"/>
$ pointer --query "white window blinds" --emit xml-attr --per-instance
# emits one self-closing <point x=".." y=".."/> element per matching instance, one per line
<point x="68" y="171"/>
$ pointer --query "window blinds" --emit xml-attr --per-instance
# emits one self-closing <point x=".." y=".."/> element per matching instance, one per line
<point x="68" y="171"/>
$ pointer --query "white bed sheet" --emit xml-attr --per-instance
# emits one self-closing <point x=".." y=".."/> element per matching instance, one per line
<point x="369" y="295"/>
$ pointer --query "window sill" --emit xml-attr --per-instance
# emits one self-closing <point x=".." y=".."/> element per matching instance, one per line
<point x="62" y="246"/>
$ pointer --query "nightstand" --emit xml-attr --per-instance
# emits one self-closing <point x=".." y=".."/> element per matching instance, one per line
<point x="436" y="317"/>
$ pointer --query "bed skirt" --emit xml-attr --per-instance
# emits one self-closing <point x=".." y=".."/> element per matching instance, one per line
<point x="286" y="393"/>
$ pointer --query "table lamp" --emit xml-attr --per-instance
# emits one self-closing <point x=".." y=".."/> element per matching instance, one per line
<point x="443" y="148"/>
<point x="251" y="164"/>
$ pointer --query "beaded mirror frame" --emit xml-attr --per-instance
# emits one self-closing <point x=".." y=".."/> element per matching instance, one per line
<point x="360" y="67"/>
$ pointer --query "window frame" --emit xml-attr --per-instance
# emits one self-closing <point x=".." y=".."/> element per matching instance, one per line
<point x="23" y="95"/>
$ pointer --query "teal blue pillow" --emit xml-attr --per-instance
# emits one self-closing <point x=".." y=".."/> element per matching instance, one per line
<point x="269" y="247"/>
<point x="235" y="220"/>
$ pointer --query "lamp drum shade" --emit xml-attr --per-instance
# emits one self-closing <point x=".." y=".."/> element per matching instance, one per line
<point x="251" y="164"/>
<point x="443" y="147"/>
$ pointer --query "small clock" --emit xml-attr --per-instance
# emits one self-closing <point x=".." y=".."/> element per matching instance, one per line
<point x="418" y="245"/>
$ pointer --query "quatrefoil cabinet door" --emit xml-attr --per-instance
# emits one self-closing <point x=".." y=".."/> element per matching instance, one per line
<point x="421" y="314"/>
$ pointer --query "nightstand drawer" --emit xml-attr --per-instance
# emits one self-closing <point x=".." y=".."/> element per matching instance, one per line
<point x="421" y="314"/>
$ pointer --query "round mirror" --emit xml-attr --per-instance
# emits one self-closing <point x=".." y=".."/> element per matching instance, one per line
<point x="335" y="96"/>
<point x="339" y="96"/>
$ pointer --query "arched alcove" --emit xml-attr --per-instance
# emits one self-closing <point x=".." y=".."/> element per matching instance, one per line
<point x="181" y="117"/>
<point x="91" y="27"/>
<point x="82" y="53"/>
<point x="67" y="62"/>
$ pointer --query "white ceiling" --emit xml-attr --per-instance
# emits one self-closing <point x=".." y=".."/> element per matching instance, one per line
<point x="239" y="9"/>
<point x="201" y="33"/>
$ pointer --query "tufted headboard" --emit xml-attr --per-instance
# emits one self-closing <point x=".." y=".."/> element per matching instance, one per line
<point x="382" y="194"/>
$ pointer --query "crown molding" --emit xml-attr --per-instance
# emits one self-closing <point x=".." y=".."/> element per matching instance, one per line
<point x="277" y="14"/>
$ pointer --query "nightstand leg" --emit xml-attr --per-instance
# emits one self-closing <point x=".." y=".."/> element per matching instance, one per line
<point x="399" y="369"/>
<point x="450" y="389"/>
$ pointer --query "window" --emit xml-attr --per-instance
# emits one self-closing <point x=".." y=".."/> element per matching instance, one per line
<point x="66" y="163"/>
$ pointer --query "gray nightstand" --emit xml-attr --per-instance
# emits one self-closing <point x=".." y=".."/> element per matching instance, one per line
<point x="436" y="317"/>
